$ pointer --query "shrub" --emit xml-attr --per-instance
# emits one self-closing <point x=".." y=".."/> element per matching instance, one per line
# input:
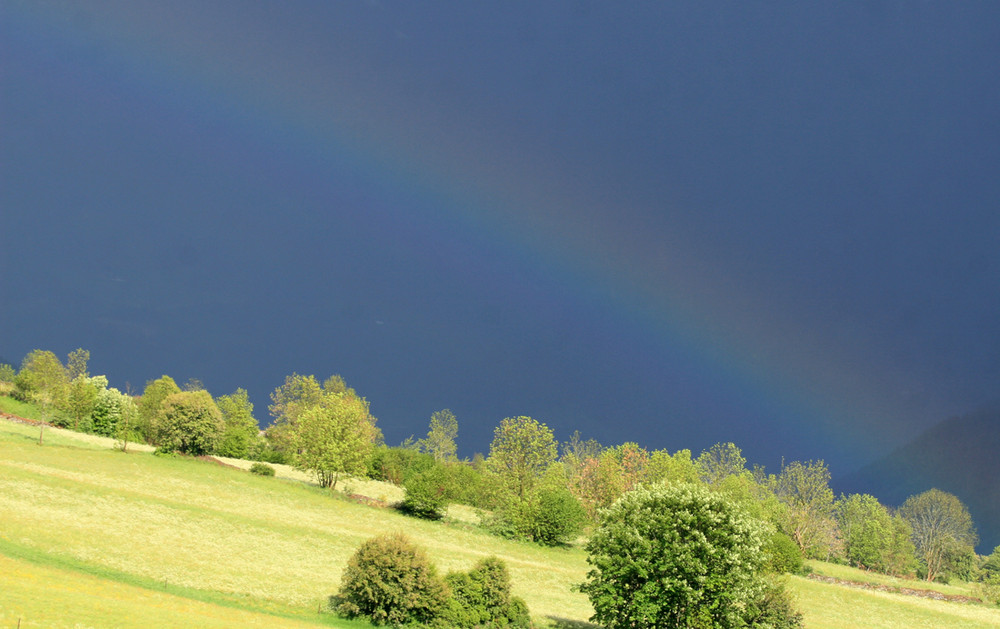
<point x="262" y="469"/>
<point x="773" y="609"/>
<point x="397" y="465"/>
<point x="553" y="516"/>
<point x="188" y="422"/>
<point x="481" y="598"/>
<point x="111" y="409"/>
<point x="390" y="581"/>
<point x="989" y="588"/>
<point x="783" y="554"/>
<point x="427" y="493"/>
<point x="674" y="556"/>
<point x="558" y="518"/>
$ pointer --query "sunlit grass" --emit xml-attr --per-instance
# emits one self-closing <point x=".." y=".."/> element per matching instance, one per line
<point x="848" y="573"/>
<point x="16" y="407"/>
<point x="203" y="526"/>
<point x="38" y="595"/>
<point x="827" y="606"/>
<point x="209" y="535"/>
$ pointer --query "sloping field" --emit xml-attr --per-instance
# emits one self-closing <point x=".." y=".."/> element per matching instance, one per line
<point x="90" y="536"/>
<point x="278" y="544"/>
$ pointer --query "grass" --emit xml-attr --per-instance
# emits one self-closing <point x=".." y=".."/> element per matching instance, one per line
<point x="21" y="409"/>
<point x="95" y="537"/>
<point x="853" y="574"/>
<point x="205" y="527"/>
<point x="828" y="606"/>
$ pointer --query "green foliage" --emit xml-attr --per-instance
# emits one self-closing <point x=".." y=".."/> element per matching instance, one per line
<point x="390" y="581"/>
<point x="555" y="518"/>
<point x="241" y="428"/>
<point x="873" y="538"/>
<point x="678" y="468"/>
<point x="481" y="598"/>
<point x="397" y="465"/>
<point x="988" y="589"/>
<point x="261" y="469"/>
<point x="991" y="565"/>
<point x="440" y="441"/>
<point x="598" y="482"/>
<point x="674" y="556"/>
<point x="720" y="461"/>
<point x="773" y="609"/>
<point x="336" y="436"/>
<point x="941" y="525"/>
<point x="809" y="520"/>
<point x="151" y="403"/>
<point x="465" y="484"/>
<point x="427" y="493"/>
<point x="521" y="451"/>
<point x="7" y="373"/>
<point x="81" y="400"/>
<point x="111" y="409"/>
<point x="189" y="422"/>
<point x="76" y="364"/>
<point x="294" y="396"/>
<point x="783" y="554"/>
<point x="42" y="380"/>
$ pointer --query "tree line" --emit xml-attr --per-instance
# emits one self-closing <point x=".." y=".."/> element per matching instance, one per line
<point x="529" y="485"/>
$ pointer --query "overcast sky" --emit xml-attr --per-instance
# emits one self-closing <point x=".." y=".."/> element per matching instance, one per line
<point x="672" y="223"/>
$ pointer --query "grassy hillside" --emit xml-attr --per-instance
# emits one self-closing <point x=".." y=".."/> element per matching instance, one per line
<point x="95" y="537"/>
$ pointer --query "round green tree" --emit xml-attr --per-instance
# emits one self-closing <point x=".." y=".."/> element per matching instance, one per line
<point x="390" y="581"/>
<point x="188" y="422"/>
<point x="674" y="556"/>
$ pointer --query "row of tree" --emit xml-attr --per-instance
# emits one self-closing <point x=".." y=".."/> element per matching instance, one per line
<point x="533" y="487"/>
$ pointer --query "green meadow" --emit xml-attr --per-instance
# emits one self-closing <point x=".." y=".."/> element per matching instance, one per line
<point x="93" y="537"/>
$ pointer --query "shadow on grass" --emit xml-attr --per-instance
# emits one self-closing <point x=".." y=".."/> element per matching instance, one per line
<point x="565" y="623"/>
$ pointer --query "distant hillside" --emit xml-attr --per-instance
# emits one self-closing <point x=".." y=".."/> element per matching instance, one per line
<point x="960" y="455"/>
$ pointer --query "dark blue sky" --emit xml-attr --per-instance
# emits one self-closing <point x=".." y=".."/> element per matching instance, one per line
<point x="674" y="223"/>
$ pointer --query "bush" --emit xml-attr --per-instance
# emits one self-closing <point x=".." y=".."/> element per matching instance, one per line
<point x="427" y="493"/>
<point x="397" y="465"/>
<point x="481" y="598"/>
<point x="554" y="516"/>
<point x="558" y="518"/>
<point x="674" y="556"/>
<point x="188" y="422"/>
<point x="783" y="554"/>
<point x="262" y="469"/>
<point x="988" y="589"/>
<point x="773" y="609"/>
<point x="390" y="581"/>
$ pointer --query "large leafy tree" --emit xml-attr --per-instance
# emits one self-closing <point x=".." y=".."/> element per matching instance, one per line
<point x="521" y="451"/>
<point x="188" y="422"/>
<point x="334" y="436"/>
<point x="241" y="428"/>
<point x="43" y="380"/>
<point x="805" y="489"/>
<point x="298" y="394"/>
<point x="942" y="527"/>
<point x="440" y="440"/>
<point x="112" y="409"/>
<point x="720" y="461"/>
<point x="81" y="398"/>
<point x="674" y="556"/>
<point x="150" y="403"/>
<point x="873" y="538"/>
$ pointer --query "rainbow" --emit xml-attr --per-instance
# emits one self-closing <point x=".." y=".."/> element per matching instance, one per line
<point x="476" y="180"/>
